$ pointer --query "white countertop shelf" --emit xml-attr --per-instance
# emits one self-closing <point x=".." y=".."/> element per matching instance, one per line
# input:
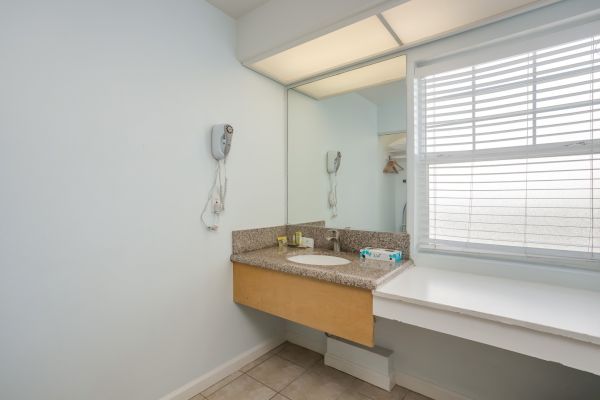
<point x="550" y="322"/>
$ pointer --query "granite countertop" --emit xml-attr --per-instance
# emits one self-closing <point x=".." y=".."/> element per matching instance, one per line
<point x="365" y="274"/>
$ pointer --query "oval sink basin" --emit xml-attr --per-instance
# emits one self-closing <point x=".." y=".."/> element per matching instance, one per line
<point x="318" y="259"/>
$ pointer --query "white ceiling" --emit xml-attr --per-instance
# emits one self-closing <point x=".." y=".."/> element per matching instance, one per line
<point x="237" y="8"/>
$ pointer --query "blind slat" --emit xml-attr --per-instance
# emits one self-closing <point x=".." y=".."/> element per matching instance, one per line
<point x="586" y="103"/>
<point x="492" y="72"/>
<point x="520" y="83"/>
<point x="510" y="152"/>
<point x="524" y="118"/>
<point x="512" y="60"/>
<point x="514" y="95"/>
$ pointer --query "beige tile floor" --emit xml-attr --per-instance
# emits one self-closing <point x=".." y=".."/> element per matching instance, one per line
<point x="291" y="372"/>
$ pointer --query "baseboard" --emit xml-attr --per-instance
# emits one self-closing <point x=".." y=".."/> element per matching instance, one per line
<point x="315" y="341"/>
<point x="199" y="384"/>
<point x="371" y="364"/>
<point x="359" y="371"/>
<point x="426" y="388"/>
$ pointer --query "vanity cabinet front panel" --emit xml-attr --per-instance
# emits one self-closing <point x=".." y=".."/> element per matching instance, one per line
<point x="339" y="310"/>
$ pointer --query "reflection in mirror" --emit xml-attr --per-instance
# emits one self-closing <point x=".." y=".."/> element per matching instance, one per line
<point x="347" y="149"/>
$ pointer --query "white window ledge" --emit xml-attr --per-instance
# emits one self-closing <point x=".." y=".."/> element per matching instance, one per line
<point x="553" y="323"/>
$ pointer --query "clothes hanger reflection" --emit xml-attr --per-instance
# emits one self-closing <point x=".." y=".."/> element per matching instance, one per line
<point x="392" y="167"/>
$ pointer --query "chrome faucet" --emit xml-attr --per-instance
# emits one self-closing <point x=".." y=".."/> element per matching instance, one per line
<point x="334" y="236"/>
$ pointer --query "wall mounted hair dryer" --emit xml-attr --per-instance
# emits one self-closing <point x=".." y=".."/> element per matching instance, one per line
<point x="334" y="158"/>
<point x="221" y="136"/>
<point x="221" y="140"/>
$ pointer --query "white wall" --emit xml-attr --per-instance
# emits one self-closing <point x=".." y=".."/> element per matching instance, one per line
<point x="110" y="287"/>
<point x="346" y="123"/>
<point x="391" y="114"/>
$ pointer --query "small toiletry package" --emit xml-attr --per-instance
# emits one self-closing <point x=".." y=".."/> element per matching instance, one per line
<point x="372" y="253"/>
<point x="282" y="241"/>
<point x="297" y="240"/>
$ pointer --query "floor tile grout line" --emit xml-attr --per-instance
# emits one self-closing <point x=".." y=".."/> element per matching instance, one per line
<point x="260" y="363"/>
<point x="262" y="383"/>
<point x="300" y="365"/>
<point x="306" y="370"/>
<point x="294" y="362"/>
<point x="283" y="358"/>
<point x="227" y="384"/>
<point x="279" y="394"/>
<point x="292" y="381"/>
<point x="280" y="347"/>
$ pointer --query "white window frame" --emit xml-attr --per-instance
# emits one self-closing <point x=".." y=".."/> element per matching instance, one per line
<point x="487" y="251"/>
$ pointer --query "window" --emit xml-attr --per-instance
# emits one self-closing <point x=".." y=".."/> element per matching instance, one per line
<point x="510" y="155"/>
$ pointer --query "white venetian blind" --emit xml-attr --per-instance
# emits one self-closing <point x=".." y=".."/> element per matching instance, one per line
<point x="510" y="154"/>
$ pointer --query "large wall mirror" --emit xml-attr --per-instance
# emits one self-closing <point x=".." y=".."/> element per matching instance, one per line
<point x="347" y="149"/>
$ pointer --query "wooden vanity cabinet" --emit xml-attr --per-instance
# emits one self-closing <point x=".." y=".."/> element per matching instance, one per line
<point x="343" y="311"/>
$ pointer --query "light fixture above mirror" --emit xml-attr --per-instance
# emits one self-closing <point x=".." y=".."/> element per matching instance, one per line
<point x="377" y="74"/>
<point x="360" y="41"/>
<point x="417" y="20"/>
<point x="408" y="24"/>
